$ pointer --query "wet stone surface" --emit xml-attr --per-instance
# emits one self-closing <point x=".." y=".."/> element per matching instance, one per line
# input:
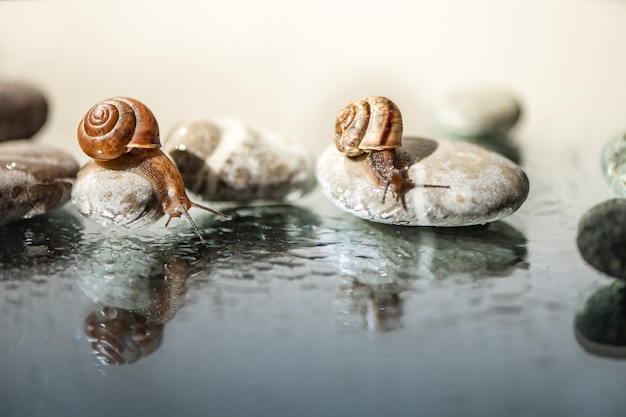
<point x="480" y="186"/>
<point x="23" y="110"/>
<point x="602" y="237"/>
<point x="225" y="160"/>
<point x="478" y="112"/>
<point x="112" y="197"/>
<point x="33" y="179"/>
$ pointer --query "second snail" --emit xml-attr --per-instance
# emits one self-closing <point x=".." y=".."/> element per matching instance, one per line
<point x="122" y="136"/>
<point x="434" y="182"/>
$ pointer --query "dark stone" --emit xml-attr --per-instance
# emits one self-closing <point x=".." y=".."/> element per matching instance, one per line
<point x="602" y="237"/>
<point x="23" y="110"/>
<point x="33" y="179"/>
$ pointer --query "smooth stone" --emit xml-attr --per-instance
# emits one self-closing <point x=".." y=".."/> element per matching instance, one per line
<point x="226" y="160"/>
<point x="614" y="164"/>
<point x="602" y="237"/>
<point x="115" y="198"/>
<point x="23" y="110"/>
<point x="478" y="112"/>
<point x="484" y="186"/>
<point x="34" y="179"/>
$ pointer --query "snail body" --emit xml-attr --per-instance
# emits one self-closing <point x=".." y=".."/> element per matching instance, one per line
<point x="122" y="134"/>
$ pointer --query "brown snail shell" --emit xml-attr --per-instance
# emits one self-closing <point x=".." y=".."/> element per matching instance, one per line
<point x="371" y="124"/>
<point x="114" y="125"/>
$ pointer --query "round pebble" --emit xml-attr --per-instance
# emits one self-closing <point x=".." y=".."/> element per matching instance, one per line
<point x="34" y="179"/>
<point x="23" y="110"/>
<point x="478" y="112"/>
<point x="225" y="160"/>
<point x="614" y="164"/>
<point x="482" y="186"/>
<point x="602" y="237"/>
<point x="112" y="197"/>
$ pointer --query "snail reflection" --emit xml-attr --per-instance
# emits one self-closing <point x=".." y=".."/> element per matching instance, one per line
<point x="600" y="327"/>
<point x="139" y="288"/>
<point x="379" y="262"/>
<point x="374" y="307"/>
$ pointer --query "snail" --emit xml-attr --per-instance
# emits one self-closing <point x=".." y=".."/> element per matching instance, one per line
<point x="122" y="134"/>
<point x="373" y="126"/>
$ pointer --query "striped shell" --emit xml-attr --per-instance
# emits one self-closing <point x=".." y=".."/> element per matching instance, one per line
<point x="371" y="124"/>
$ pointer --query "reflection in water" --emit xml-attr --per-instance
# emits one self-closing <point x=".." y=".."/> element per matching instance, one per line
<point x="600" y="327"/>
<point x="257" y="243"/>
<point x="141" y="289"/>
<point x="120" y="337"/>
<point x="374" y="307"/>
<point x="378" y="262"/>
<point x="141" y="281"/>
<point x="146" y="277"/>
<point x="378" y="253"/>
<point x="38" y="247"/>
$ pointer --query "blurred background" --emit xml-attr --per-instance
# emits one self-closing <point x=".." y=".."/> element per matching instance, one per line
<point x="290" y="67"/>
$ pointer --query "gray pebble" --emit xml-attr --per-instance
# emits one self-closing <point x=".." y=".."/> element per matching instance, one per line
<point x="33" y="179"/>
<point x="23" y="110"/>
<point x="225" y="160"/>
<point x="478" y="112"/>
<point x="602" y="237"/>
<point x="482" y="186"/>
<point x="119" y="198"/>
<point x="614" y="164"/>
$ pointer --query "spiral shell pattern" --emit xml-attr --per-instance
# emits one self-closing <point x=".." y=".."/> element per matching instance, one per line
<point x="119" y="337"/>
<point x="371" y="124"/>
<point x="112" y="126"/>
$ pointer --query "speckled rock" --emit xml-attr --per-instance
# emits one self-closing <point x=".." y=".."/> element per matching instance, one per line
<point x="478" y="112"/>
<point x="225" y="160"/>
<point x="614" y="164"/>
<point x="482" y="186"/>
<point x="33" y="179"/>
<point x="23" y="110"/>
<point x="112" y="197"/>
<point x="602" y="237"/>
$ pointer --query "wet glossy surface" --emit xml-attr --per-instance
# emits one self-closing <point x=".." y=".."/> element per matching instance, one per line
<point x="304" y="310"/>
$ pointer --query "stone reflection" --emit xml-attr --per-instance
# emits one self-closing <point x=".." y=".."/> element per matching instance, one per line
<point x="258" y="243"/>
<point x="374" y="307"/>
<point x="376" y="253"/>
<point x="38" y="247"/>
<point x="379" y="262"/>
<point x="600" y="327"/>
<point x="140" y="287"/>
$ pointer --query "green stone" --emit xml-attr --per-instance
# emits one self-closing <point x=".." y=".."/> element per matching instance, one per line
<point x="614" y="164"/>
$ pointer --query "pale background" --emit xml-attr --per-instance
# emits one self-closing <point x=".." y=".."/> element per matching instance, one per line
<point x="290" y="66"/>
